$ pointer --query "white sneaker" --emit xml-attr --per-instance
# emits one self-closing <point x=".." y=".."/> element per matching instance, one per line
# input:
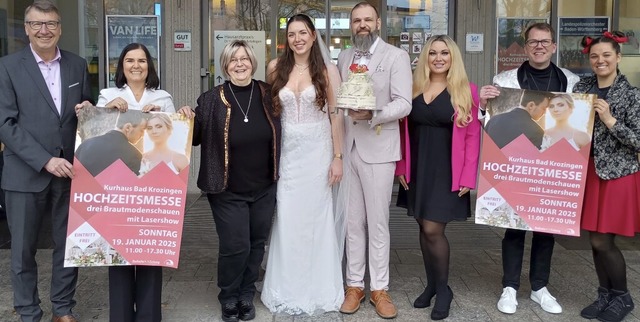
<point x="546" y="301"/>
<point x="508" y="303"/>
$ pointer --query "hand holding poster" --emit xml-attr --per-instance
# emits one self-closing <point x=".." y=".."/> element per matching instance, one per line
<point x="127" y="206"/>
<point x="534" y="161"/>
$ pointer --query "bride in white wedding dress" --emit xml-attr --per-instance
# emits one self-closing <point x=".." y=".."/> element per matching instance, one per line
<point x="304" y="271"/>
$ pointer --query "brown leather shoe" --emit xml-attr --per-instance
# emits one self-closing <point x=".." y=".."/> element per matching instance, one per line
<point x="384" y="305"/>
<point x="353" y="296"/>
<point x="66" y="318"/>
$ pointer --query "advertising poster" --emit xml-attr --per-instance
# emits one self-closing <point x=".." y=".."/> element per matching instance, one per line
<point x="570" y="33"/>
<point x="535" y="153"/>
<point x="510" y="47"/>
<point x="129" y="191"/>
<point x="123" y="30"/>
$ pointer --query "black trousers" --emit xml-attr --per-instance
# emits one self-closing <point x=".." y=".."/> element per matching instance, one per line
<point x="25" y="213"/>
<point x="513" y="251"/>
<point x="243" y="222"/>
<point x="135" y="293"/>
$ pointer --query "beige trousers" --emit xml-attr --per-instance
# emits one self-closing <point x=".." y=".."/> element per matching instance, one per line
<point x="368" y="221"/>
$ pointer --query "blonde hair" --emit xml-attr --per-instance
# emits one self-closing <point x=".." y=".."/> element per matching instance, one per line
<point x="230" y="49"/>
<point x="566" y="98"/>
<point x="457" y="80"/>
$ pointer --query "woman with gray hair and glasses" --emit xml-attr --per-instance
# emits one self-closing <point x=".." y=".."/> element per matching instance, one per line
<point x="239" y="131"/>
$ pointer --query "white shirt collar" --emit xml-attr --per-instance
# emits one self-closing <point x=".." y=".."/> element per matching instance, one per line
<point x="374" y="45"/>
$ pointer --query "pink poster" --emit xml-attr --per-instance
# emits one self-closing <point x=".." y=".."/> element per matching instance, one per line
<point x="535" y="154"/>
<point x="129" y="190"/>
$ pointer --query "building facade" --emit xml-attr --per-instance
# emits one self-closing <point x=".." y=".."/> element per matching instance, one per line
<point x="489" y="33"/>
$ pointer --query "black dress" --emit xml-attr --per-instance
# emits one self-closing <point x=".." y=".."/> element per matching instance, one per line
<point x="431" y="131"/>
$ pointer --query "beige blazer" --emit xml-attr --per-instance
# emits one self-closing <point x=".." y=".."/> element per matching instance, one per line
<point x="390" y="72"/>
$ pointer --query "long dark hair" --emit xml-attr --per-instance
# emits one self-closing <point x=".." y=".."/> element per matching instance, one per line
<point x="285" y="64"/>
<point x="153" y="82"/>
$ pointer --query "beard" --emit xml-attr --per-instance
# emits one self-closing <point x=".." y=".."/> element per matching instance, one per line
<point x="364" y="42"/>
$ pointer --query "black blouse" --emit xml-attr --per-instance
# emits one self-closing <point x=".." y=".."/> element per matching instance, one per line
<point x="250" y="143"/>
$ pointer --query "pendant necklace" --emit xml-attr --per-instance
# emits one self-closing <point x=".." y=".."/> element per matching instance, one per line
<point x="301" y="68"/>
<point x="536" y="83"/>
<point x="246" y="117"/>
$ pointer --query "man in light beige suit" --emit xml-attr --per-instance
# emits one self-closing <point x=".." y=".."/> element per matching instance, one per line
<point x="373" y="146"/>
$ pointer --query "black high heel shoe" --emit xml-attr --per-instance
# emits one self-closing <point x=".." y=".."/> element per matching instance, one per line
<point x="443" y="304"/>
<point x="424" y="300"/>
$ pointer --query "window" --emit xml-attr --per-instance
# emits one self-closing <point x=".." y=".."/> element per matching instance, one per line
<point x="514" y="17"/>
<point x="630" y="25"/>
<point x="410" y="23"/>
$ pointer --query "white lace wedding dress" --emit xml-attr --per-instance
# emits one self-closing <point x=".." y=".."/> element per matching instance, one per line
<point x="304" y="271"/>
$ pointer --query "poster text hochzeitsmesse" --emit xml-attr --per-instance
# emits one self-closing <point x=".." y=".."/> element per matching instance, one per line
<point x="535" y="153"/>
<point x="129" y="191"/>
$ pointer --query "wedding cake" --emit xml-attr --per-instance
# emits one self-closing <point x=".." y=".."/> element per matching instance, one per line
<point x="357" y="92"/>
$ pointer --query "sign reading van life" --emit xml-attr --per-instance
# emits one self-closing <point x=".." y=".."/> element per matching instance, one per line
<point x="122" y="30"/>
<point x="255" y="39"/>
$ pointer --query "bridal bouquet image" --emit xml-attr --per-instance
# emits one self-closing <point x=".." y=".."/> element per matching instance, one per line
<point x="357" y="92"/>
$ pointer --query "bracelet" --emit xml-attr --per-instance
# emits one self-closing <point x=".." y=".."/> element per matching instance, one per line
<point x="337" y="156"/>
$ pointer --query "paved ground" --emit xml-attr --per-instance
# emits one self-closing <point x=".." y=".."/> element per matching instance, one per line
<point x="190" y="292"/>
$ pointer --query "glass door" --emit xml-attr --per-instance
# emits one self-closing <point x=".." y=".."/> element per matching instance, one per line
<point x="410" y="23"/>
<point x="12" y="35"/>
<point x="312" y="8"/>
<point x="576" y="19"/>
<point x="250" y="20"/>
<point x="629" y="23"/>
<point x="513" y="19"/>
<point x="80" y="19"/>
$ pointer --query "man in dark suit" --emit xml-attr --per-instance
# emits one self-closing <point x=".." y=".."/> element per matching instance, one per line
<point x="3" y="214"/>
<point x="40" y="87"/>
<point x="98" y="153"/>
<point x="506" y="127"/>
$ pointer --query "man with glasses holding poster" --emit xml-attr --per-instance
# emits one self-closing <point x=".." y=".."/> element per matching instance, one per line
<point x="40" y="87"/>
<point x="540" y="74"/>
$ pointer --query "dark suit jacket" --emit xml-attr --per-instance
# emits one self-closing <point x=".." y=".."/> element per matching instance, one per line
<point x="504" y="128"/>
<point x="98" y="153"/>
<point x="30" y="126"/>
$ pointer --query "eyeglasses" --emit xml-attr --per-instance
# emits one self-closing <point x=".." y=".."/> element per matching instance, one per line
<point x="243" y="60"/>
<point x="37" y="25"/>
<point x="533" y="43"/>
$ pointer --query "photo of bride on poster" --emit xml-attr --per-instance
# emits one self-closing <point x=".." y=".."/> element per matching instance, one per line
<point x="156" y="137"/>
<point x="161" y="148"/>
<point x="566" y="120"/>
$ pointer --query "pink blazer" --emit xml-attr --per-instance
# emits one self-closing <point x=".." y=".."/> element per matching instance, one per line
<point x="465" y="149"/>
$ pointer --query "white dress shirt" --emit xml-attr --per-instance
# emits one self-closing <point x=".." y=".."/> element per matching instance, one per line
<point x="364" y="60"/>
<point x="149" y="96"/>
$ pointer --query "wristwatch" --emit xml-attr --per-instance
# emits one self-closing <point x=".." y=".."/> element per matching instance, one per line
<point x="337" y="156"/>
